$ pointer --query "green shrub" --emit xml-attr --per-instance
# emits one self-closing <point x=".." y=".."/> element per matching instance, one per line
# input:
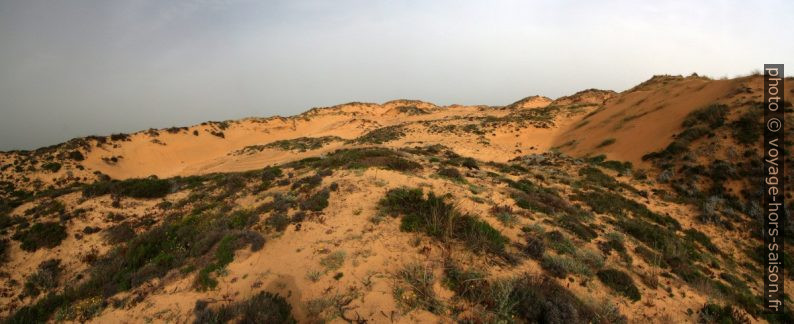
<point x="441" y="220"/>
<point x="412" y="110"/>
<point x="560" y="243"/>
<point x="381" y="135"/>
<point x="621" y="167"/>
<point x="271" y="173"/>
<point x="620" y="282"/>
<point x="535" y="247"/>
<point x="748" y="128"/>
<point x="652" y="258"/>
<point x="51" y="166"/>
<point x="278" y="221"/>
<point x="41" y="235"/>
<point x="360" y="158"/>
<point x="529" y="299"/>
<point x="135" y="188"/>
<point x="46" y="208"/>
<point x="562" y="265"/>
<point x="451" y="173"/>
<point x="307" y="183"/>
<point x="576" y="224"/>
<point x="466" y="283"/>
<point x="713" y="313"/>
<point x="119" y="233"/>
<point x="303" y="144"/>
<point x="45" y="278"/>
<point x="595" y="176"/>
<point x="416" y="288"/>
<point x="76" y="155"/>
<point x="316" y="202"/>
<point x="712" y="115"/>
<point x="701" y="238"/>
<point x="603" y="202"/>
<point x="263" y="307"/>
<point x="470" y="163"/>
<point x="533" y="197"/>
<point x="223" y="256"/>
<point x="333" y="261"/>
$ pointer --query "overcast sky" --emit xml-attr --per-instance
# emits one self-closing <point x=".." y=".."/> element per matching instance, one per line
<point x="82" y="67"/>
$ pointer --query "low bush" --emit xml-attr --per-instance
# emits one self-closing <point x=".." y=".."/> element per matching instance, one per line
<point x="41" y="235"/>
<point x="46" y="208"/>
<point x="535" y="247"/>
<point x="528" y="299"/>
<point x="701" y="238"/>
<point x="303" y="144"/>
<point x="360" y="158"/>
<point x="561" y="266"/>
<point x="263" y="307"/>
<point x="135" y="188"/>
<point x="577" y="224"/>
<point x="317" y="201"/>
<point x="437" y="218"/>
<point x="560" y="243"/>
<point x="652" y="258"/>
<point x="713" y="313"/>
<point x="712" y="115"/>
<point x="620" y="282"/>
<point x="271" y="173"/>
<point x="450" y="173"/>
<point x="224" y="255"/>
<point x="119" y="233"/>
<point x="333" y="261"/>
<point x="415" y="289"/>
<point x="278" y="221"/>
<point x="381" y="135"/>
<point x="51" y="166"/>
<point x="45" y="278"/>
<point x="533" y="197"/>
<point x="76" y="155"/>
<point x="604" y="202"/>
<point x="748" y="128"/>
<point x="467" y="283"/>
<point x="621" y="167"/>
<point x="307" y="183"/>
<point x="595" y="176"/>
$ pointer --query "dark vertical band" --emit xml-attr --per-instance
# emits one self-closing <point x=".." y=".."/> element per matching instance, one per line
<point x="773" y="204"/>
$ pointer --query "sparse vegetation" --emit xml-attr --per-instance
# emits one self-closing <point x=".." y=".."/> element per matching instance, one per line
<point x="316" y="202"/>
<point x="263" y="307"/>
<point x="415" y="289"/>
<point x="333" y="261"/>
<point x="530" y="299"/>
<point x="135" y="188"/>
<point x="44" y="279"/>
<point x="360" y="158"/>
<point x="381" y="135"/>
<point x="620" y="282"/>
<point x="300" y="144"/>
<point x="51" y="166"/>
<point x="451" y="173"/>
<point x="439" y="219"/>
<point x="41" y="235"/>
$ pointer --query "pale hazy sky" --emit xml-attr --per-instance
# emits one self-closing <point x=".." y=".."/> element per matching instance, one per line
<point x="73" y="68"/>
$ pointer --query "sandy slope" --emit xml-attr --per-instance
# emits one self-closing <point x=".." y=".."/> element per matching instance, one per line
<point x="641" y="120"/>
